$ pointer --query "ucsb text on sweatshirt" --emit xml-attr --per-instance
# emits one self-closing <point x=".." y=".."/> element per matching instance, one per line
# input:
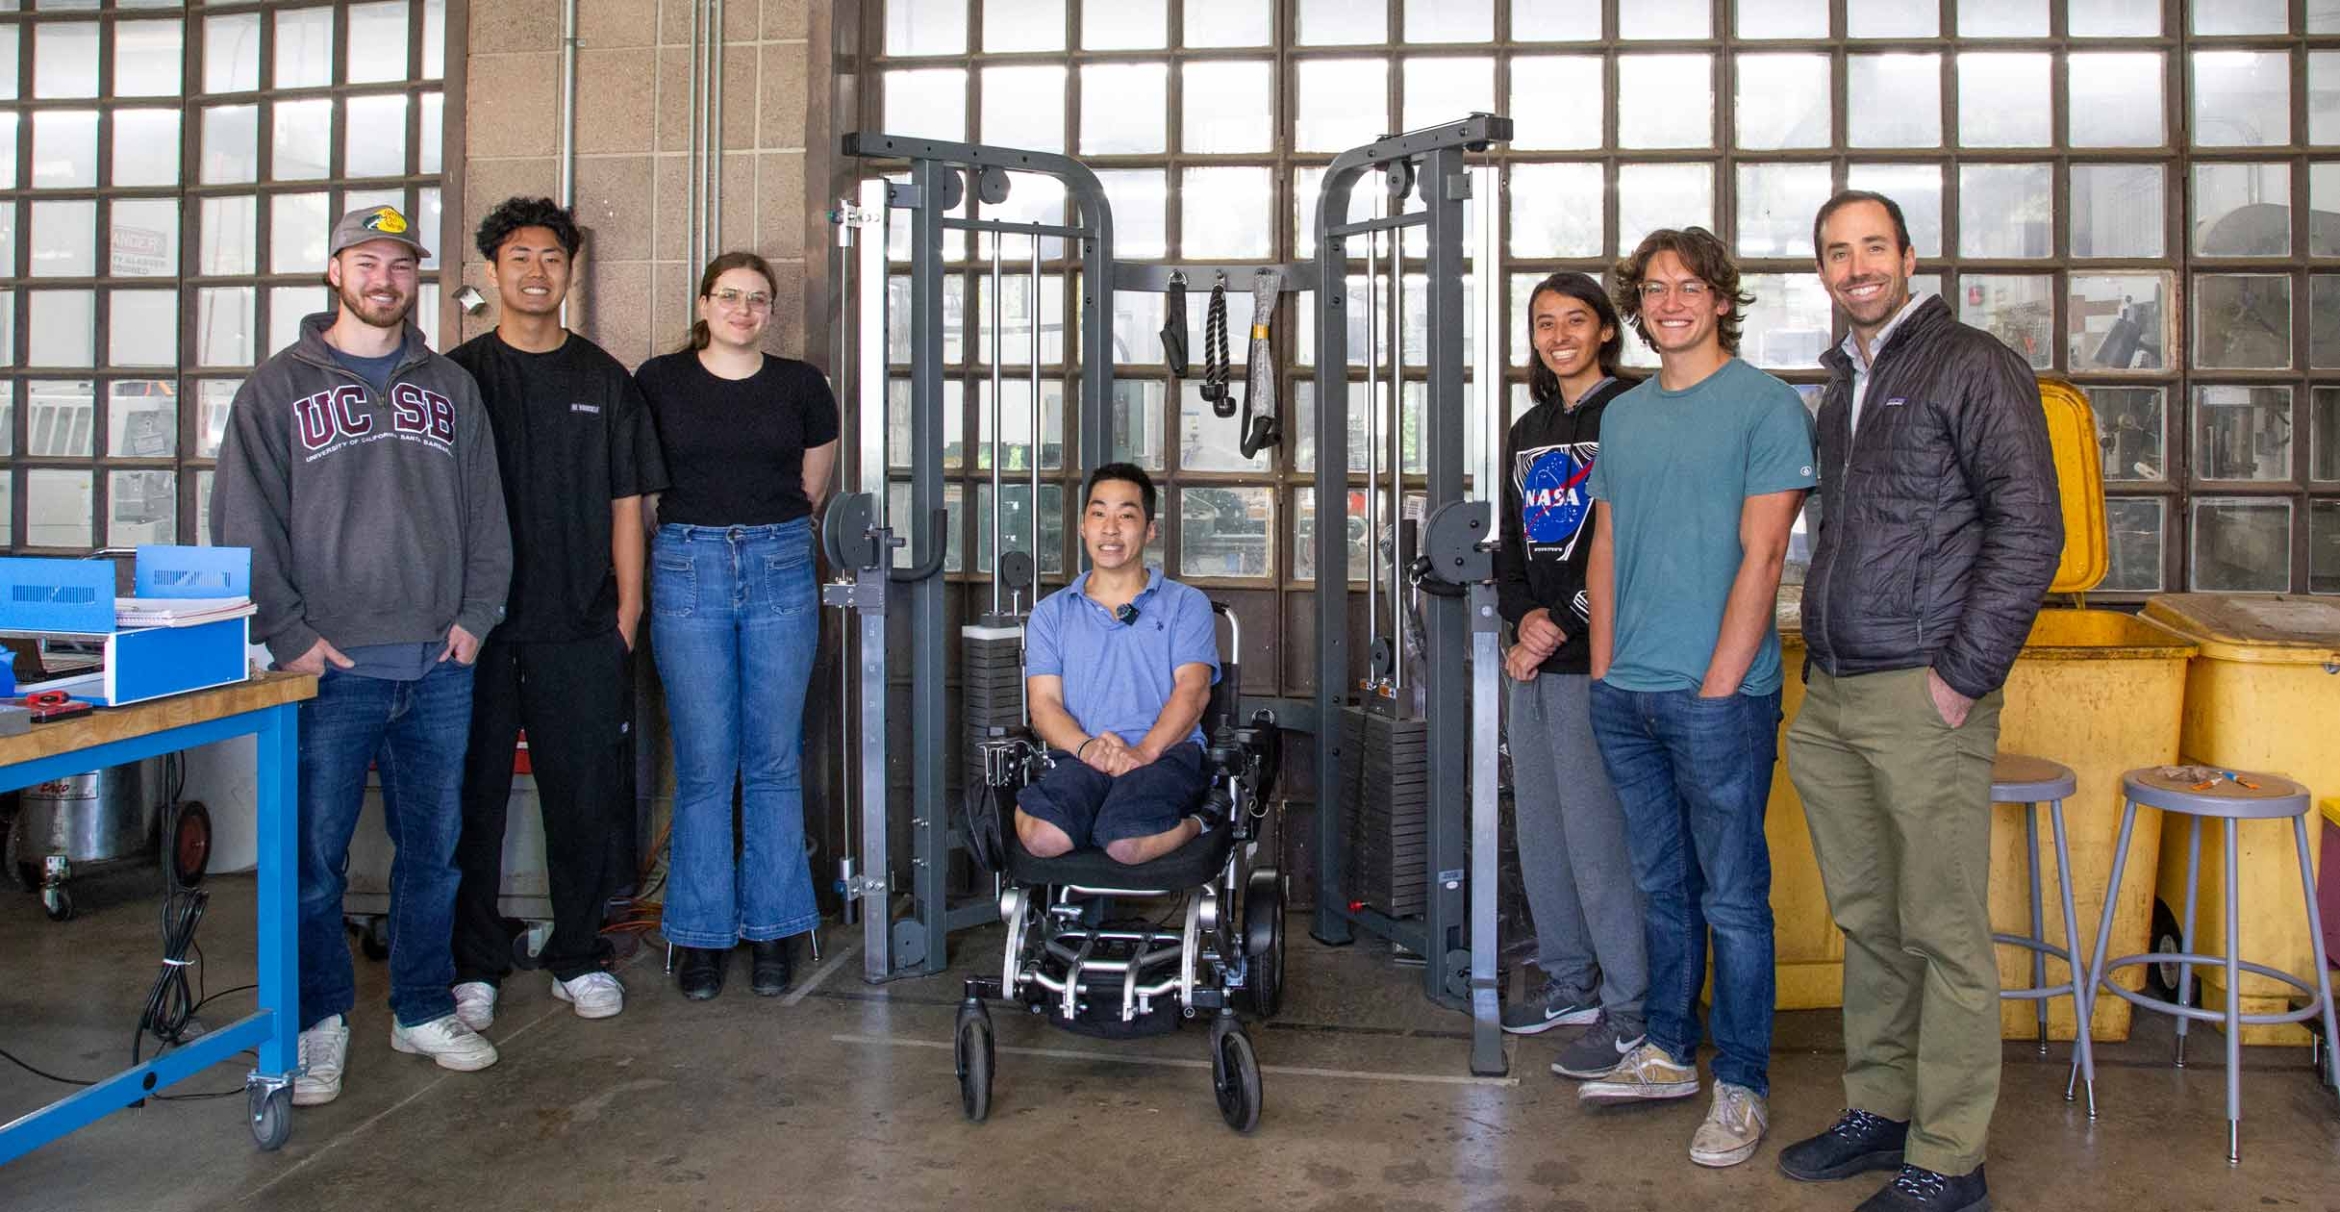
<point x="372" y="518"/>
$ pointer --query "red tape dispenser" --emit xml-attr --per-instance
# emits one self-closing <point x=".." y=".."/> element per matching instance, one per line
<point x="48" y="706"/>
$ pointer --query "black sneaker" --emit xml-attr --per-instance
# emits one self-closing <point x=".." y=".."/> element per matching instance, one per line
<point x="1858" y="1142"/>
<point x="1548" y="1007"/>
<point x="701" y="972"/>
<point x="1917" y="1189"/>
<point x="768" y="971"/>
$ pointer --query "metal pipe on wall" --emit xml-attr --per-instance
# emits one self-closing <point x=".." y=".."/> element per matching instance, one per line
<point x="714" y="126"/>
<point x="568" y="154"/>
<point x="692" y="246"/>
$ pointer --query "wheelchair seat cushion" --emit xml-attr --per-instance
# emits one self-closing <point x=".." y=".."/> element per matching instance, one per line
<point x="1192" y="865"/>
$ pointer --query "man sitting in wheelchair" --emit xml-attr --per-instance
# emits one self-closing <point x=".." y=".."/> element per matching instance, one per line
<point x="1118" y="670"/>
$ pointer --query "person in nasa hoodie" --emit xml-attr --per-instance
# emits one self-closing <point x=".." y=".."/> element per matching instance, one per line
<point x="1572" y="851"/>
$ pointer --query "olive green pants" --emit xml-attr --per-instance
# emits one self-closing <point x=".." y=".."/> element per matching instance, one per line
<point x="1899" y="805"/>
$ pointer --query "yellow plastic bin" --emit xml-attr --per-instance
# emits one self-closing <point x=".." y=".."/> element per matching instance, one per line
<point x="2263" y="694"/>
<point x="2100" y="691"/>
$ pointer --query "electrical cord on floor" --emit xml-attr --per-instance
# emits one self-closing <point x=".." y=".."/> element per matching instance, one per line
<point x="170" y="1002"/>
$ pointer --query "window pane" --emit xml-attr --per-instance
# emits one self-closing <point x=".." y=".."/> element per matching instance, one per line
<point x="1015" y="423"/>
<point x="8" y="127"/>
<point x="223" y="326"/>
<point x="381" y="152"/>
<point x="2117" y="210"/>
<point x="929" y="103"/>
<point x="2324" y="430"/>
<point x="1555" y="210"/>
<point x="1226" y="532"/>
<point x="2116" y="100"/>
<point x="2324" y="198"/>
<point x="2324" y="547"/>
<point x="1651" y="196"/>
<point x="2242" y="210"/>
<point x="1230" y="22"/>
<point x="2242" y="433"/>
<point x="2324" y="321"/>
<point x="7" y="430"/>
<point x="1225" y="212"/>
<point x="2130" y="428"/>
<point x="2242" y="98"/>
<point x="1788" y="325"/>
<point x="142" y="419"/>
<point x="228" y="235"/>
<point x="1139" y="198"/>
<point x="1015" y="324"/>
<point x="142" y="507"/>
<point x="1892" y="19"/>
<point x="2323" y="97"/>
<point x="1556" y="102"/>
<point x="1304" y="433"/>
<point x="2005" y="210"/>
<point x="304" y="139"/>
<point x="2241" y="546"/>
<point x="1782" y="101"/>
<point x="1015" y="523"/>
<point x="2018" y="309"/>
<point x="1124" y="24"/>
<point x="57" y="507"/>
<point x="65" y="59"/>
<point x="1304" y="534"/>
<point x="1893" y="100"/>
<point x="59" y="423"/>
<point x="1032" y="198"/>
<point x="2242" y="321"/>
<point x="1444" y="90"/>
<point x="146" y="147"/>
<point x="2133" y="533"/>
<point x="1451" y="21"/>
<point x="432" y="128"/>
<point x="1555" y="21"/>
<point x="1665" y="101"/>
<point x="231" y="53"/>
<point x="2003" y="100"/>
<point x="2241" y="16"/>
<point x="1024" y="107"/>
<point x="304" y="47"/>
<point x="954" y="419"/>
<point x="287" y="306"/>
<point x="231" y="144"/>
<point x="64" y="149"/>
<point x="926" y="27"/>
<point x="10" y="85"/>
<point x="64" y="239"/>
<point x="1226" y="105"/>
<point x="1342" y="22"/>
<point x="2112" y="19"/>
<point x="2118" y="322"/>
<point x="1122" y="112"/>
<point x="1137" y="422"/>
<point x="1668" y="19"/>
<point x="377" y="42"/>
<point x="2002" y="18"/>
<point x="147" y="59"/>
<point x="215" y="397"/>
<point x="142" y="328"/>
<point x="7" y="243"/>
<point x="1783" y="18"/>
<point x="898" y="318"/>
<point x="297" y="232"/>
<point x="1917" y="188"/>
<point x="62" y="328"/>
<point x="1137" y="329"/>
<point x="1343" y="102"/>
<point x="1205" y="441"/>
<point x="1776" y="205"/>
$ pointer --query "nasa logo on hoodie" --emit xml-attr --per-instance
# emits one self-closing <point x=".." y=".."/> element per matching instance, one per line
<point x="1553" y="502"/>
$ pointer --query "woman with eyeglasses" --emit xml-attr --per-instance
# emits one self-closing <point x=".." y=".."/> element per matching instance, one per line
<point x="750" y="441"/>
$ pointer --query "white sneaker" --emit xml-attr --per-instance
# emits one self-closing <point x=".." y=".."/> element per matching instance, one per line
<point x="1733" y="1128"/>
<point x="446" y="1040"/>
<point x="595" y="994"/>
<point x="324" y="1049"/>
<point x="475" y="1004"/>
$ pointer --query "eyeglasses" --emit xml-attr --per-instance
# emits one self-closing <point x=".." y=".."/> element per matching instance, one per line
<point x="758" y="301"/>
<point x="1691" y="290"/>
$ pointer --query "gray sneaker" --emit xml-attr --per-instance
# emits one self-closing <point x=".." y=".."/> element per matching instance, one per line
<point x="1548" y="1007"/>
<point x="1595" y="1054"/>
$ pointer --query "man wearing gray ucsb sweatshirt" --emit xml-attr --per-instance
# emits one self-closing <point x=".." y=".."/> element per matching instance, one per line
<point x="359" y="468"/>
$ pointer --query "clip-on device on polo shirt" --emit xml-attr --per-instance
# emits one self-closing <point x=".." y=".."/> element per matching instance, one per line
<point x="1126" y="614"/>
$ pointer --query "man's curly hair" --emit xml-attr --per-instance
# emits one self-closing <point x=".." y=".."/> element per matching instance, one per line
<point x="512" y="214"/>
<point x="1704" y="254"/>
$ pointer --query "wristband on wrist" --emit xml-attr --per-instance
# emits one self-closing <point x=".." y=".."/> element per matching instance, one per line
<point x="1084" y="748"/>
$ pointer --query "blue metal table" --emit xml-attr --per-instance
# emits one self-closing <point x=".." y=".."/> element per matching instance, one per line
<point x="266" y="708"/>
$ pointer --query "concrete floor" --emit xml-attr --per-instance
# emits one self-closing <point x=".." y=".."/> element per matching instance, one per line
<point x="842" y="1097"/>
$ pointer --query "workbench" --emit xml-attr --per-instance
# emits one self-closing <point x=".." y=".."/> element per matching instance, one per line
<point x="266" y="708"/>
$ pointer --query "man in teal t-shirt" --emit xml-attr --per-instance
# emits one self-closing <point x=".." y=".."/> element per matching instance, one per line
<point x="1701" y="473"/>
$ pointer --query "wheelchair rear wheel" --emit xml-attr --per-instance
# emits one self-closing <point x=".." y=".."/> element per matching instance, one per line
<point x="972" y="1050"/>
<point x="1235" y="1076"/>
<point x="1263" y="931"/>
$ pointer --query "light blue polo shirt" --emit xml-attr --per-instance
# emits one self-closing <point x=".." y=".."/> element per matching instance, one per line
<point x="1118" y="676"/>
<point x="1675" y="471"/>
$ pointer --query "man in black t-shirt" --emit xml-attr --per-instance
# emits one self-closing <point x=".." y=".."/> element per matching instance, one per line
<point x="571" y="430"/>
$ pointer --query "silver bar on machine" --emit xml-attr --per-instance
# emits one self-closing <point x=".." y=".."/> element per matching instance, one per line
<point x="1486" y="1009"/>
<point x="1396" y="440"/>
<point x="870" y="379"/>
<point x="998" y="355"/>
<point x="1036" y="433"/>
<point x="1372" y="428"/>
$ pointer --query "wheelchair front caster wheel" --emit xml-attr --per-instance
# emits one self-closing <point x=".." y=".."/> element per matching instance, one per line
<point x="57" y="903"/>
<point x="271" y="1117"/>
<point x="1235" y="1074"/>
<point x="972" y="1052"/>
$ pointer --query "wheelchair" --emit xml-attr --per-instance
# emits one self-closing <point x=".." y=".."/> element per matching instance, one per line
<point x="1069" y="958"/>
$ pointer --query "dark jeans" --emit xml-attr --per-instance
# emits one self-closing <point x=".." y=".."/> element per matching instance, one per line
<point x="567" y="694"/>
<point x="414" y="733"/>
<point x="1094" y="808"/>
<point x="1694" y="776"/>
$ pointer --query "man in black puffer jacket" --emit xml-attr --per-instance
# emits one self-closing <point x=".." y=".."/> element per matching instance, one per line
<point x="1941" y="528"/>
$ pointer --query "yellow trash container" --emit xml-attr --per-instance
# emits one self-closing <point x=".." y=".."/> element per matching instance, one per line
<point x="2263" y="694"/>
<point x="2098" y="690"/>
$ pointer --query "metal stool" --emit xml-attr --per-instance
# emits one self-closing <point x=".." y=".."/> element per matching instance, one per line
<point x="2268" y="797"/>
<point x="2020" y="779"/>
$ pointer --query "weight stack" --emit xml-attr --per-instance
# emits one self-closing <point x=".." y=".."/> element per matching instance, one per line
<point x="991" y="681"/>
<point x="1385" y="796"/>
